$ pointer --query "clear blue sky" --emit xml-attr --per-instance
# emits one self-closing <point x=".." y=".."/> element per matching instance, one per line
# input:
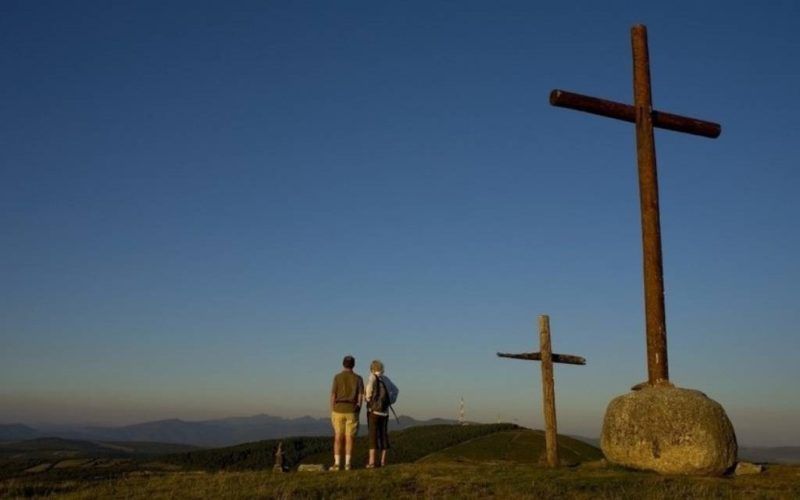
<point x="205" y="205"/>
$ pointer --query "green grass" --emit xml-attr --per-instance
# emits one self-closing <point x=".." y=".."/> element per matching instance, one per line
<point x="430" y="480"/>
<point x="412" y="444"/>
<point x="481" y="461"/>
<point x="519" y="445"/>
<point x="250" y="456"/>
<point x="408" y="445"/>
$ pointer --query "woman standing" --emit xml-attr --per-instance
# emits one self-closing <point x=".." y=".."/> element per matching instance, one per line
<point x="380" y="394"/>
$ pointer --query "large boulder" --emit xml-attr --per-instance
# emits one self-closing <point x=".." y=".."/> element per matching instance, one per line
<point x="669" y="430"/>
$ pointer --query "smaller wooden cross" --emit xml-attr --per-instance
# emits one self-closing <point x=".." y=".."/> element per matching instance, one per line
<point x="547" y="357"/>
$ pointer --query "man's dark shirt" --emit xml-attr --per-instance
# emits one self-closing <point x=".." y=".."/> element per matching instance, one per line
<point x="347" y="388"/>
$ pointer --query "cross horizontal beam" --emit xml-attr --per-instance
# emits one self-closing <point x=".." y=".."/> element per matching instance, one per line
<point x="537" y="356"/>
<point x="627" y="113"/>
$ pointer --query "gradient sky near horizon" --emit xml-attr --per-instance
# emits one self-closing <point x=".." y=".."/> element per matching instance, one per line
<point x="205" y="205"/>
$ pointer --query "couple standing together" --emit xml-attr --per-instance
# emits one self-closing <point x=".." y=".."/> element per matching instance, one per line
<point x="348" y="394"/>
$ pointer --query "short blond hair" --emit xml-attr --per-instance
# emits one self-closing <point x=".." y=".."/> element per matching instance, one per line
<point x="376" y="366"/>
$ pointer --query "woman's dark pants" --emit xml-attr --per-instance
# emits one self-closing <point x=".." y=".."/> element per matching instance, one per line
<point x="378" y="431"/>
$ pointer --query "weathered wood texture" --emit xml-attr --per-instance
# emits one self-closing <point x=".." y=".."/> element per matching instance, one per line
<point x="546" y="356"/>
<point x="645" y="118"/>
<point x="537" y="356"/>
<point x="627" y="113"/>
<point x="655" y="317"/>
<point x="548" y="393"/>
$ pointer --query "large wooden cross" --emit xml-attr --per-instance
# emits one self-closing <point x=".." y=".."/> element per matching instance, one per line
<point x="645" y="118"/>
<point x="547" y="357"/>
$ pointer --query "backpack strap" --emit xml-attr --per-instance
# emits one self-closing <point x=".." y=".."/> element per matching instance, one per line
<point x="391" y="408"/>
<point x="388" y="395"/>
<point x="376" y="392"/>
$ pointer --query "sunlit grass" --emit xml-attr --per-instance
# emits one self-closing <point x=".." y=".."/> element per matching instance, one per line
<point x="429" y="480"/>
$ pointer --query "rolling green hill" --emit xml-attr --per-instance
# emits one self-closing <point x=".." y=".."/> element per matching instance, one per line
<point x="518" y="445"/>
<point x="52" y="460"/>
<point x="250" y="456"/>
<point x="412" y="444"/>
<point x="436" y="443"/>
<point x="408" y="445"/>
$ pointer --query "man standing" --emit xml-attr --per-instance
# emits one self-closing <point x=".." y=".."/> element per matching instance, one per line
<point x="347" y="394"/>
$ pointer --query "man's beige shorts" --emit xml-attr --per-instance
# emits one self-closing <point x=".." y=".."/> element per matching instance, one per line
<point x="345" y="423"/>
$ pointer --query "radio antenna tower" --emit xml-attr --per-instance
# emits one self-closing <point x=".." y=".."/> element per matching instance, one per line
<point x="461" y="412"/>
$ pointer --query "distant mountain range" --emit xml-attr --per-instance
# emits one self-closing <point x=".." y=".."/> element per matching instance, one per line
<point x="205" y="433"/>
<point x="17" y="432"/>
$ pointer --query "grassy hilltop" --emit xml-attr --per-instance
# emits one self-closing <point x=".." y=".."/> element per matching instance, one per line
<point x="435" y="443"/>
<point x="480" y="461"/>
<point x="445" y="480"/>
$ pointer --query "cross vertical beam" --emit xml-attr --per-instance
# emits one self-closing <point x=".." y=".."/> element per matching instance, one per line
<point x="655" y="317"/>
<point x="548" y="392"/>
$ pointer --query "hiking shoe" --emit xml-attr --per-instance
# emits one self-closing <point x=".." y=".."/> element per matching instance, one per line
<point x="370" y="466"/>
<point x="334" y="468"/>
<point x="347" y="467"/>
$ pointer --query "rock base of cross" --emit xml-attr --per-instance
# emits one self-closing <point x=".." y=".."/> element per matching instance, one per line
<point x="669" y="430"/>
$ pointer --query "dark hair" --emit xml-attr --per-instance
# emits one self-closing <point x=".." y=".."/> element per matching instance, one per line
<point x="349" y="361"/>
